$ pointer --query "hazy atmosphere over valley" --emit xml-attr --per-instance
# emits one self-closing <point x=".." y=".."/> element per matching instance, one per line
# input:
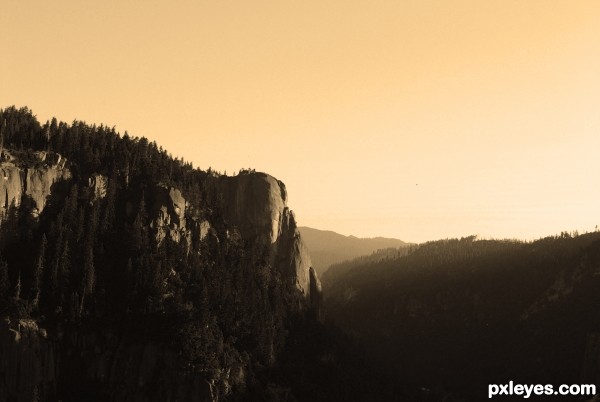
<point x="299" y="201"/>
<point x="416" y="120"/>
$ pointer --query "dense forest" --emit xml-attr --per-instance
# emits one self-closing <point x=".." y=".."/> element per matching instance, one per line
<point x="454" y="315"/>
<point x="88" y="268"/>
<point x="384" y="254"/>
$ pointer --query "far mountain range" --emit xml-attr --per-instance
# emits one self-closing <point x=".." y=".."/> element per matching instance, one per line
<point x="328" y="248"/>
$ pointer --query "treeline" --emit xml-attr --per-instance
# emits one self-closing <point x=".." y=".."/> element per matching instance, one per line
<point x="93" y="149"/>
<point x="378" y="256"/>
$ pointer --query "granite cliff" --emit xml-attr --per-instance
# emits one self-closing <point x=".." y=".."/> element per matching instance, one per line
<point x="41" y="356"/>
<point x="33" y="182"/>
<point x="256" y="204"/>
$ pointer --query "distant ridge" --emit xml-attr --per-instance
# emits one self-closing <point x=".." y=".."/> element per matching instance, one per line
<point x="327" y="247"/>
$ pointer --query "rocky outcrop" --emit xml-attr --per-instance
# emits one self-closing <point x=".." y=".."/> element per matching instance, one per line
<point x="11" y="187"/>
<point x="171" y="204"/>
<point x="253" y="207"/>
<point x="33" y="182"/>
<point x="203" y="229"/>
<point x="316" y="292"/>
<point x="39" y="181"/>
<point x="168" y="214"/>
<point x="98" y="185"/>
<point x="256" y="205"/>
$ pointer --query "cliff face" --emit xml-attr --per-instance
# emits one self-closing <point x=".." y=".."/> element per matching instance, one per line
<point x="256" y="204"/>
<point x="168" y="214"/>
<point x="253" y="204"/>
<point x="40" y="361"/>
<point x="33" y="182"/>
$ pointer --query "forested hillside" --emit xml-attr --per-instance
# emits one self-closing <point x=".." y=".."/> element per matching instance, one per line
<point x="123" y="276"/>
<point x="455" y="315"/>
<point x="385" y="254"/>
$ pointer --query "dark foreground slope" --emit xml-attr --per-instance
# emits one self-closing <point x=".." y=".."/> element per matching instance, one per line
<point x="125" y="274"/>
<point x="456" y="315"/>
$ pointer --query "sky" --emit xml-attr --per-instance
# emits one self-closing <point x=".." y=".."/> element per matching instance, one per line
<point x="418" y="120"/>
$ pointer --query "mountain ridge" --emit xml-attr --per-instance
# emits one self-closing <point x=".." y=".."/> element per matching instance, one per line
<point x="328" y="247"/>
<point x="187" y="282"/>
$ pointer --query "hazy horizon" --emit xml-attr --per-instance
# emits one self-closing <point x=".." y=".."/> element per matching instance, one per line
<point x="415" y="120"/>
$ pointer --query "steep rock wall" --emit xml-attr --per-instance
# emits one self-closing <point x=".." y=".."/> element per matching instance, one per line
<point x="256" y="204"/>
<point x="168" y="211"/>
<point x="33" y="182"/>
<point x="35" y="366"/>
<point x="11" y="185"/>
<point x="38" y="183"/>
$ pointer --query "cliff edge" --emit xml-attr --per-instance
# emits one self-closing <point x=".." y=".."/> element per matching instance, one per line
<point x="256" y="204"/>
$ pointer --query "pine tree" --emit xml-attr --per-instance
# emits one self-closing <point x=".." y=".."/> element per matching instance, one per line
<point x="17" y="290"/>
<point x="109" y="210"/>
<point x="4" y="280"/>
<point x="53" y="275"/>
<point x="89" y="274"/>
<point x="39" y="272"/>
<point x="139" y="238"/>
<point x="64" y="273"/>
<point x="70" y="208"/>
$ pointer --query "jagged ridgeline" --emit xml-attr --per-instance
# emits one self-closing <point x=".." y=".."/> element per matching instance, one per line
<point x="126" y="274"/>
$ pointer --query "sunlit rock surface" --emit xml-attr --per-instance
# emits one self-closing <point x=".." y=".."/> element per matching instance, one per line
<point x="35" y="182"/>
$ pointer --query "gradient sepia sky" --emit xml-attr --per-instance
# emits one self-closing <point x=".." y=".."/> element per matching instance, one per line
<point x="415" y="119"/>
